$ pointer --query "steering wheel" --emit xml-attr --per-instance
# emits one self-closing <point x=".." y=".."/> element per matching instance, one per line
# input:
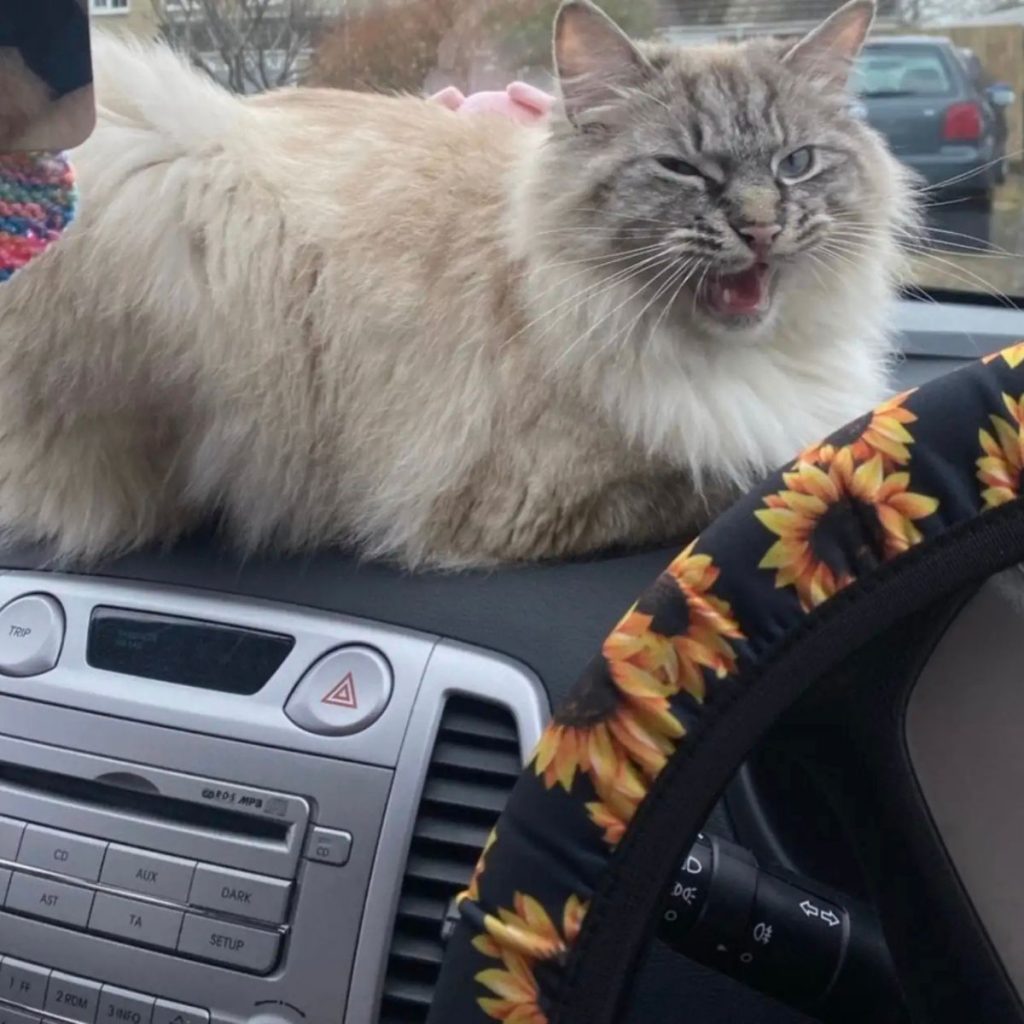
<point x="839" y="573"/>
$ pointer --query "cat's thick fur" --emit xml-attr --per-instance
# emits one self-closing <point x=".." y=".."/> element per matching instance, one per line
<point x="344" y="318"/>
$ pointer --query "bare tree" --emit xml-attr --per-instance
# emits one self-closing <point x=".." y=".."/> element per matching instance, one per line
<point x="249" y="45"/>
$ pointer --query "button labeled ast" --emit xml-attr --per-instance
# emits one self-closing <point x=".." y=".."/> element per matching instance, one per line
<point x="344" y="692"/>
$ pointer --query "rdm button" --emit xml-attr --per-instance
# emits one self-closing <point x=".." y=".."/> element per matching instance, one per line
<point x="344" y="692"/>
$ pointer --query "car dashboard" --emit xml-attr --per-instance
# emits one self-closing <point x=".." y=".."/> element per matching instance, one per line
<point x="248" y="789"/>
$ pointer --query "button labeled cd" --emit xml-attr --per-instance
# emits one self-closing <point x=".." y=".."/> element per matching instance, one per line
<point x="344" y="692"/>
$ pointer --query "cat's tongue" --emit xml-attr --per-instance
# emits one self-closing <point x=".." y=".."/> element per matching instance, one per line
<point x="738" y="294"/>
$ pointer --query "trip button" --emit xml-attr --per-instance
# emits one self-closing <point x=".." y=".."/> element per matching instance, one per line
<point x="23" y="983"/>
<point x="54" y="901"/>
<point x="31" y="635"/>
<point x="144" y="923"/>
<point x="236" y="892"/>
<point x="119" y="1006"/>
<point x="166" y="1012"/>
<point x="62" y="852"/>
<point x="344" y="692"/>
<point x="329" y="846"/>
<point x="73" y="998"/>
<point x="232" y="944"/>
<point x="152" y="874"/>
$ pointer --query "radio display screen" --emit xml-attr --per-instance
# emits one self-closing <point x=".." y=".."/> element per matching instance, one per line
<point x="205" y="655"/>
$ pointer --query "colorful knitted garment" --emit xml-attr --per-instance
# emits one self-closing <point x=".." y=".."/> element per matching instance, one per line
<point x="37" y="202"/>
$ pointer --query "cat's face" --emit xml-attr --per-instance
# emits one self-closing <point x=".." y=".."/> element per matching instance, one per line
<point x="720" y="179"/>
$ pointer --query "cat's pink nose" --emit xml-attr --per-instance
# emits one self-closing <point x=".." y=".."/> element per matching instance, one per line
<point x="759" y="237"/>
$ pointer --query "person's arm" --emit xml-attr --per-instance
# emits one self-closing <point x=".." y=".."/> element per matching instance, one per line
<point x="38" y="200"/>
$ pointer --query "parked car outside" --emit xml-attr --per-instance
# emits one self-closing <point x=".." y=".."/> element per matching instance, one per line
<point x="933" y="103"/>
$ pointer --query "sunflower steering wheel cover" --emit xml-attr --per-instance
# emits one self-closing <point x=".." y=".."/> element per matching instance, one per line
<point x="912" y="501"/>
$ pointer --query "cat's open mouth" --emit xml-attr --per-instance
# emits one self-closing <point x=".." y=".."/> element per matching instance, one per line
<point x="744" y="295"/>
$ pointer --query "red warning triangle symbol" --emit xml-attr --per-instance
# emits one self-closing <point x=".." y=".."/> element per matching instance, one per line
<point x="344" y="694"/>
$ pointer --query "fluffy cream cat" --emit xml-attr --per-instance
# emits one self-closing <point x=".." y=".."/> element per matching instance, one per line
<point x="331" y="317"/>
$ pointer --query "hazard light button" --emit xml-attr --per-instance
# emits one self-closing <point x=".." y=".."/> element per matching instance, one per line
<point x="344" y="692"/>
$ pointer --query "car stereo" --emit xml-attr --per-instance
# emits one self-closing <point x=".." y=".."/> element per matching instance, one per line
<point x="206" y="803"/>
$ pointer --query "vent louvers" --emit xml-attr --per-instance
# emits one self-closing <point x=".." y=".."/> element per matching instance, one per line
<point x="475" y="764"/>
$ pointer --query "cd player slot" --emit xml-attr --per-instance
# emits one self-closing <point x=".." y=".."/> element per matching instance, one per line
<point x="155" y="806"/>
<point x="173" y="813"/>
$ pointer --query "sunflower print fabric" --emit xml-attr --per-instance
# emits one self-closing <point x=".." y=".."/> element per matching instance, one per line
<point x="901" y="477"/>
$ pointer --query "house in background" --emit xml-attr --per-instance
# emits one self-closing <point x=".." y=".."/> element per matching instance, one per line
<point x="135" y="16"/>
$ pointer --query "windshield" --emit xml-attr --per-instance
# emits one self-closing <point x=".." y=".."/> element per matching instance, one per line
<point x="901" y="71"/>
<point x="942" y="86"/>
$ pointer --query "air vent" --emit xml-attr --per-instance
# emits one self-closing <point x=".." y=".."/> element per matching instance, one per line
<point x="472" y="771"/>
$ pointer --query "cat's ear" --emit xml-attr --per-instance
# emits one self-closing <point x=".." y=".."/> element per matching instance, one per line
<point x="595" y="60"/>
<point x="826" y="55"/>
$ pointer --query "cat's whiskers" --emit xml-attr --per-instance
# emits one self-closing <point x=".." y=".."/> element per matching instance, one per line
<point x="601" y="321"/>
<point x="674" y="272"/>
<point x="958" y="272"/>
<point x="576" y="298"/>
<point x="967" y="175"/>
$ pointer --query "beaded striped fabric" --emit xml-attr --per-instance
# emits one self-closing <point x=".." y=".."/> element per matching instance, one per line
<point x="37" y="202"/>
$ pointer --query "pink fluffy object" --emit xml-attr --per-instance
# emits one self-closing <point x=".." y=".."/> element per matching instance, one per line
<point x="519" y="101"/>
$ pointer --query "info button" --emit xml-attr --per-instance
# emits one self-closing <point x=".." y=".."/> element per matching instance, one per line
<point x="343" y="693"/>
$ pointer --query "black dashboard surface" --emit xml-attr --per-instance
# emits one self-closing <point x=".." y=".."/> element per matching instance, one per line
<point x="552" y="618"/>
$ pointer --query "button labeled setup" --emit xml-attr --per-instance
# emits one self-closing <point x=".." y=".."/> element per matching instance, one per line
<point x="73" y="998"/>
<point x="231" y="944"/>
<point x="237" y="892"/>
<point x="62" y="852"/>
<point x="31" y="635"/>
<point x="10" y="837"/>
<point x="23" y="983"/>
<point x="54" y="901"/>
<point x="166" y="1012"/>
<point x="328" y="846"/>
<point x="119" y="1006"/>
<point x="343" y="693"/>
<point x="144" y="923"/>
<point x="152" y="874"/>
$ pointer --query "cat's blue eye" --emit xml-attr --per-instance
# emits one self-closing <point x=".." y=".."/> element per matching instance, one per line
<point x="674" y="165"/>
<point x="798" y="164"/>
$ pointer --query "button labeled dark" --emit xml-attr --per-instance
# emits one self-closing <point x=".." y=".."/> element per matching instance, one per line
<point x="793" y="944"/>
<point x="237" y="892"/>
<point x="73" y="998"/>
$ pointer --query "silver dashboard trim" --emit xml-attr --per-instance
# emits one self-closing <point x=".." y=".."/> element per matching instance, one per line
<point x="453" y="669"/>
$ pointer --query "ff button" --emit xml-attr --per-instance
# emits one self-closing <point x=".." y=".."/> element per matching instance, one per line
<point x="344" y="692"/>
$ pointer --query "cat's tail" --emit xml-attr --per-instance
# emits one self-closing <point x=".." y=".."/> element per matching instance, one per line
<point x="150" y="87"/>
